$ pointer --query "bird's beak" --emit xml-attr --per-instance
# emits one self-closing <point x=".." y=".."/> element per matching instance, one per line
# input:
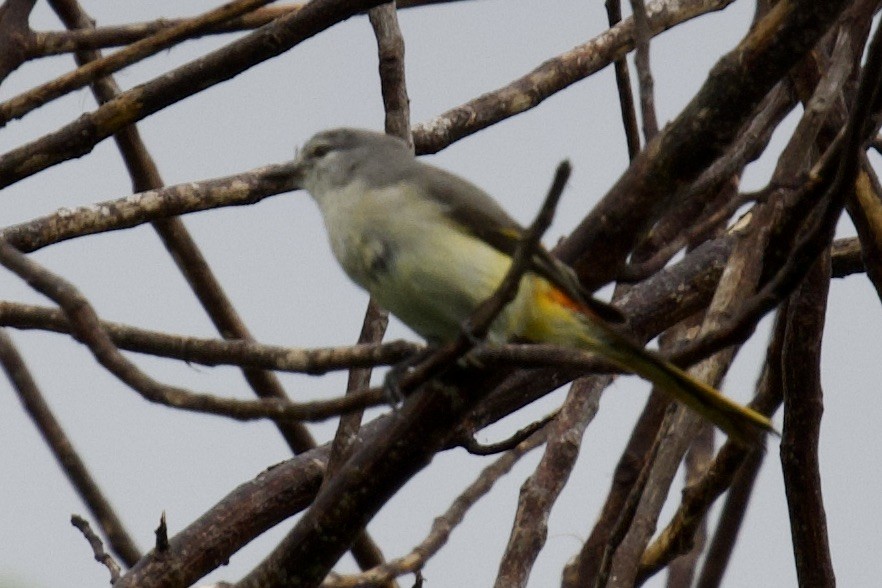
<point x="300" y="167"/>
<point x="298" y="171"/>
<point x="291" y="173"/>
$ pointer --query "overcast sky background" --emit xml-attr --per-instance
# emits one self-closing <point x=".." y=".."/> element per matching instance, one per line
<point x="275" y="264"/>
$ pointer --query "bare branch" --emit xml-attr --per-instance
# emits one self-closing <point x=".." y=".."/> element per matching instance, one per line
<point x="708" y="202"/>
<point x="540" y="491"/>
<point x="91" y="38"/>
<point x="865" y="209"/>
<point x="639" y="451"/>
<point x="314" y="361"/>
<point x="22" y="104"/>
<point x="80" y="137"/>
<point x="696" y="138"/>
<point x="681" y="571"/>
<point x="390" y="46"/>
<point x="444" y="525"/>
<point x="626" y="516"/>
<point x="471" y="445"/>
<point x="212" y="352"/>
<point x="552" y="76"/>
<point x="732" y="515"/>
<point x="803" y="407"/>
<point x="85" y="324"/>
<point x="372" y="329"/>
<point x="63" y="450"/>
<point x="680" y="426"/>
<point x="16" y="37"/>
<point x="698" y="497"/>
<point x="144" y="207"/>
<point x="642" y="34"/>
<point x="623" y="85"/>
<point x="365" y="551"/>
<point x="846" y="257"/>
<point x="423" y="425"/>
<point x="101" y="556"/>
<point x="53" y="43"/>
<point x="829" y="183"/>
<point x="174" y="235"/>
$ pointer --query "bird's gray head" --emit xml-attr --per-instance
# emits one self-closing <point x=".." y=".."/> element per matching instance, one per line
<point x="334" y="158"/>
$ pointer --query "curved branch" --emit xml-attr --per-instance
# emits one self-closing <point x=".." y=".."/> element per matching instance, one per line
<point x="80" y="137"/>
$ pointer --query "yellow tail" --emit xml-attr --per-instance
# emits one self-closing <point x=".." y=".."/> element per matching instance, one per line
<point x="741" y="423"/>
<point x="557" y="319"/>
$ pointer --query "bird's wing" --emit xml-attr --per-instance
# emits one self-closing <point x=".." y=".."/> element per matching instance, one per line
<point x="479" y="213"/>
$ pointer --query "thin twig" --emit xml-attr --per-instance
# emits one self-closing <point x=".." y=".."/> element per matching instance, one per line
<point x="698" y="498"/>
<point x="372" y="329"/>
<point x="681" y="571"/>
<point x="443" y="525"/>
<point x="700" y="134"/>
<point x="213" y="352"/>
<point x="62" y="448"/>
<point x="830" y="180"/>
<point x="629" y="508"/>
<point x="87" y="328"/>
<point x="635" y="272"/>
<point x="642" y="34"/>
<point x="707" y="202"/>
<point x="174" y="235"/>
<point x="623" y="85"/>
<point x="34" y="98"/>
<point x="680" y="426"/>
<point x="541" y="490"/>
<point x="123" y="213"/>
<point x="552" y="76"/>
<point x="80" y="136"/>
<point x="425" y="422"/>
<point x="638" y="451"/>
<point x="364" y="549"/>
<point x="101" y="556"/>
<point x="732" y="515"/>
<point x="646" y="493"/>
<point x="390" y="49"/>
<point x="471" y="445"/>
<point x="53" y="43"/>
<point x="313" y="361"/>
<point x="482" y="318"/>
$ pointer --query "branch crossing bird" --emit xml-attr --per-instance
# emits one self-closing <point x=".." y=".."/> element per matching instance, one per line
<point x="430" y="247"/>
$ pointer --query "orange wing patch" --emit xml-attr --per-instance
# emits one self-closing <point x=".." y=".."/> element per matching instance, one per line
<point x="556" y="317"/>
<point x="548" y="293"/>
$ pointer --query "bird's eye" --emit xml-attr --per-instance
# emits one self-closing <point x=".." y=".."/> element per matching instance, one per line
<point x="320" y="150"/>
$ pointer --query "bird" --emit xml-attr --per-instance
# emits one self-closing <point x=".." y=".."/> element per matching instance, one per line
<point x="430" y="246"/>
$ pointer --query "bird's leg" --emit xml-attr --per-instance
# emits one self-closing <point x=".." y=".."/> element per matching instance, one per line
<point x="467" y="330"/>
<point x="392" y="379"/>
<point x="470" y="358"/>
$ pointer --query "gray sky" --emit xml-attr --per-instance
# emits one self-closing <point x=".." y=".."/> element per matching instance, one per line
<point x="276" y="266"/>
